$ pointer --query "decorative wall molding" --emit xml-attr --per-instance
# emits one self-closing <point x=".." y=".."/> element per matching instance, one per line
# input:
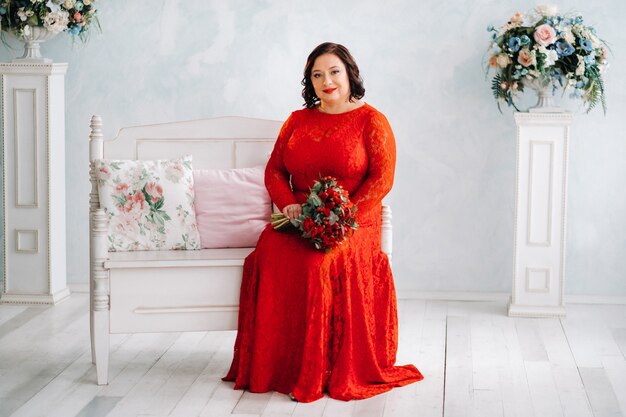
<point x="34" y="69"/>
<point x="538" y="280"/>
<point x="537" y="197"/>
<point x="26" y="169"/>
<point x="22" y="239"/>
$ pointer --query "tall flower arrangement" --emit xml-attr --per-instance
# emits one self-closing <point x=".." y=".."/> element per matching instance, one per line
<point x="543" y="48"/>
<point x="72" y="16"/>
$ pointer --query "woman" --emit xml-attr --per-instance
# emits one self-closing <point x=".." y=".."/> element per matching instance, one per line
<point x="312" y="322"/>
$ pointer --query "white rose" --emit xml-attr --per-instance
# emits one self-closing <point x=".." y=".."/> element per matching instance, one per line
<point x="546" y="10"/>
<point x="568" y="36"/>
<point x="68" y="4"/>
<point x="56" y="22"/>
<point x="531" y="19"/>
<point x="550" y="54"/>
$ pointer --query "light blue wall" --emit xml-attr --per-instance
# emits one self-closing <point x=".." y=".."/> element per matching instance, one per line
<point x="167" y="60"/>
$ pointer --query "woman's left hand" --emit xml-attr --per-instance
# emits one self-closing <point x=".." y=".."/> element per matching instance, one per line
<point x="292" y="211"/>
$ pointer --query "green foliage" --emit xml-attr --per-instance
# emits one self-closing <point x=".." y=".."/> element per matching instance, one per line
<point x="501" y="94"/>
<point x="595" y="92"/>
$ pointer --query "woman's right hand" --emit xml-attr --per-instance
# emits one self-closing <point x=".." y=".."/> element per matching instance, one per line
<point x="292" y="211"/>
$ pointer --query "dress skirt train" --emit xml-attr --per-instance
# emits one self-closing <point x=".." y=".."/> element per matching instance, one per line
<point x="313" y="322"/>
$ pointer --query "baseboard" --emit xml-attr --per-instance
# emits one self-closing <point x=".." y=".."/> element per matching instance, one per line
<point x="455" y="296"/>
<point x="595" y="299"/>
<point x="452" y="295"/>
<point x="500" y="296"/>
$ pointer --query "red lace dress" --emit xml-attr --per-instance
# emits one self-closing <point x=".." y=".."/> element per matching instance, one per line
<point x="312" y="322"/>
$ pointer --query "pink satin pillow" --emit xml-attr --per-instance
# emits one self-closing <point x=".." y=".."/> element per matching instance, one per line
<point x="232" y="206"/>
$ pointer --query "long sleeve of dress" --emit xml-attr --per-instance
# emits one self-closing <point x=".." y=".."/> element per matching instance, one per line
<point x="381" y="149"/>
<point x="277" y="178"/>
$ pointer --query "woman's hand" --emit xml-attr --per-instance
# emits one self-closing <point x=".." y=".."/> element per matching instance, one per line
<point x="292" y="211"/>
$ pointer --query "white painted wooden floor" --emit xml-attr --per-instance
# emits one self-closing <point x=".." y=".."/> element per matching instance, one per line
<point x="476" y="362"/>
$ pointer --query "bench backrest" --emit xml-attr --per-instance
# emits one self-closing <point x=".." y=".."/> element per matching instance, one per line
<point x="219" y="143"/>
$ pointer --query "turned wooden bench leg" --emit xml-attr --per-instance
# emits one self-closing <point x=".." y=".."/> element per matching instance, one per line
<point x="98" y="253"/>
<point x="101" y="346"/>
<point x="91" y="330"/>
<point x="100" y="297"/>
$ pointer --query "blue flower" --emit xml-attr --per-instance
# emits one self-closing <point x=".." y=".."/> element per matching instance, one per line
<point x="585" y="44"/>
<point x="577" y="93"/>
<point x="590" y="59"/>
<point x="74" y="30"/>
<point x="524" y="40"/>
<point x="519" y="73"/>
<point x="582" y="83"/>
<point x="3" y="10"/>
<point x="514" y="44"/>
<point x="564" y="48"/>
<point x="578" y="20"/>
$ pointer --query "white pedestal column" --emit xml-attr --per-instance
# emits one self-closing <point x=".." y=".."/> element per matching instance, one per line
<point x="540" y="214"/>
<point x="33" y="144"/>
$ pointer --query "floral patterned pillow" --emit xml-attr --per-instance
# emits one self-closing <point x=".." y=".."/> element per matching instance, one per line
<point x="149" y="204"/>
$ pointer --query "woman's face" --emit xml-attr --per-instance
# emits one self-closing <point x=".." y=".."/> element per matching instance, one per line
<point x="330" y="80"/>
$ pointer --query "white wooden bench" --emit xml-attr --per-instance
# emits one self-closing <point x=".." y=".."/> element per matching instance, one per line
<point x="164" y="291"/>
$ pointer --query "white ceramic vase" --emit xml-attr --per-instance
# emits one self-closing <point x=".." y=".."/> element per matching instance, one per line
<point x="545" y="98"/>
<point x="32" y="47"/>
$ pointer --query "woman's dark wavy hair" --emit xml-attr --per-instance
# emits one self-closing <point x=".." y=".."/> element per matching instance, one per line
<point x="357" y="91"/>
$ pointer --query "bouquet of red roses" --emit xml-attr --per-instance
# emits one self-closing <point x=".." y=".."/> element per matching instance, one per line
<point x="328" y="216"/>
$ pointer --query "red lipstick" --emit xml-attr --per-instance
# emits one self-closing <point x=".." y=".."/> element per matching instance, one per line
<point x="329" y="90"/>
